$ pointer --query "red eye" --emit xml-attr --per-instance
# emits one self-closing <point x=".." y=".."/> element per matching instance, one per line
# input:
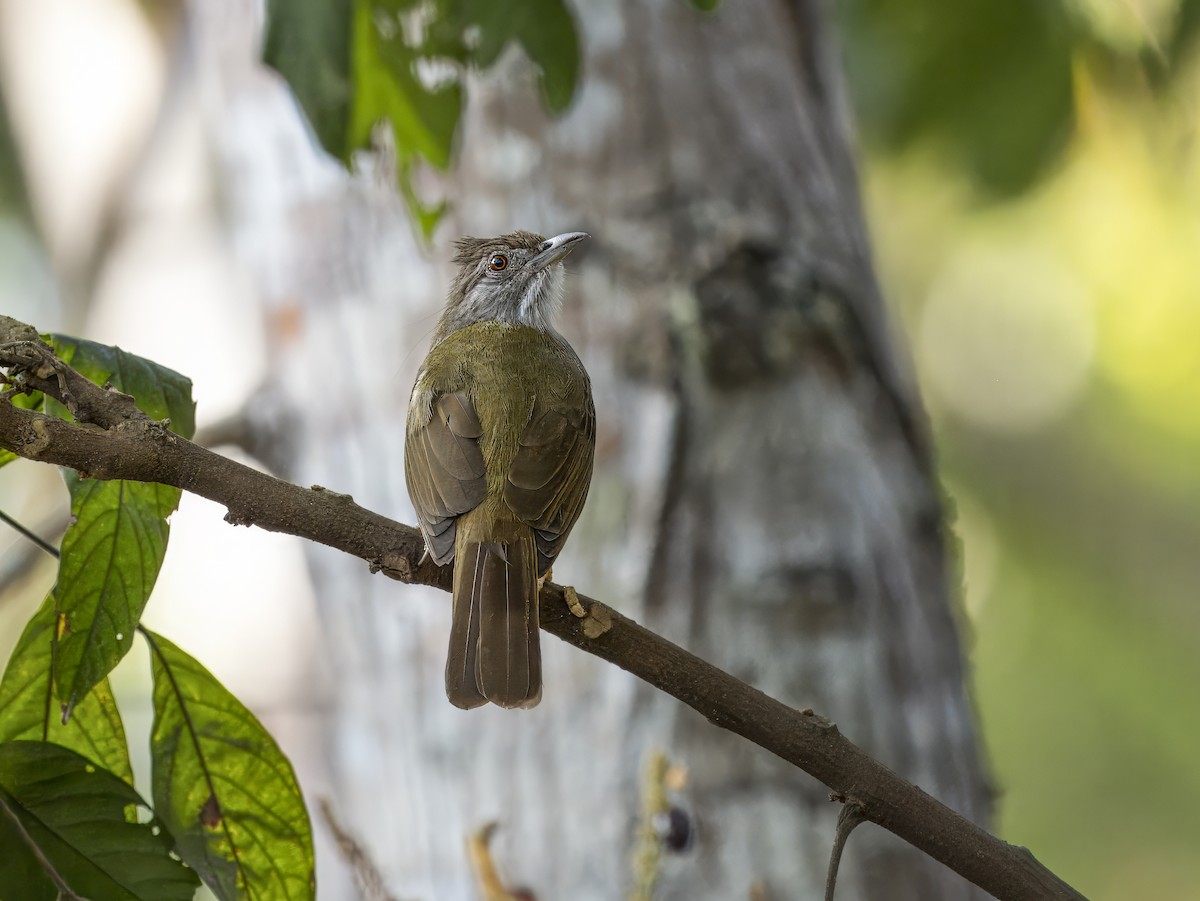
<point x="499" y="261"/>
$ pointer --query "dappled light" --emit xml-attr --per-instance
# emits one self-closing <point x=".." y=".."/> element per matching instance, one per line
<point x="1005" y="338"/>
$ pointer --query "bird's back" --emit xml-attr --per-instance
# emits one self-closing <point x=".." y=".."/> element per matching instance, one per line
<point x="510" y="373"/>
<point x="498" y="470"/>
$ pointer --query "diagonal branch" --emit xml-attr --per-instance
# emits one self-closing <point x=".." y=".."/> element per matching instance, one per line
<point x="129" y="445"/>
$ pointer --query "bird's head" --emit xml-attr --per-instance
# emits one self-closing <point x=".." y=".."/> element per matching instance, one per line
<point x="515" y="278"/>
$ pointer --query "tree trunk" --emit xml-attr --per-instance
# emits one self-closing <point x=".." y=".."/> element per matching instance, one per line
<point x="763" y="491"/>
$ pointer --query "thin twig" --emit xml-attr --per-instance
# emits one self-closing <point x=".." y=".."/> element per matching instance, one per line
<point x="849" y="817"/>
<point x="371" y="883"/>
<point x="30" y="534"/>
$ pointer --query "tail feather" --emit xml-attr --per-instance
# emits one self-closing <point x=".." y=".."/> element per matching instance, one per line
<point x="462" y="661"/>
<point x="495" y="653"/>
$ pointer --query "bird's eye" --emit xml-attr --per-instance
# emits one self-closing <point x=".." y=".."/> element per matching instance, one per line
<point x="499" y="261"/>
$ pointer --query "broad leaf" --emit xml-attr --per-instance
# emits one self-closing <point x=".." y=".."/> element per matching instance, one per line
<point x="111" y="555"/>
<point x="354" y="64"/>
<point x="64" y="832"/>
<point x="308" y="42"/>
<point x="27" y="712"/>
<point x="990" y="82"/>
<point x="161" y="393"/>
<point x="1183" y="39"/>
<point x="114" y="547"/>
<point x="223" y="787"/>
<point x="544" y="28"/>
<point x="387" y="88"/>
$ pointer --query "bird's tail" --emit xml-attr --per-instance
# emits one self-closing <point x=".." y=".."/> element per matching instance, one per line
<point x="494" y="654"/>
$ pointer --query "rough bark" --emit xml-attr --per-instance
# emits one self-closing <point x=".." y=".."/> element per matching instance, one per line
<point x="763" y="482"/>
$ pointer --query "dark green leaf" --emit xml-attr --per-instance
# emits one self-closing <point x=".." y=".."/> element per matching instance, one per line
<point x="547" y="32"/>
<point x="308" y="43"/>
<point x="989" y="81"/>
<point x="111" y="555"/>
<point x="114" y="547"/>
<point x="161" y="393"/>
<point x="26" y="709"/>
<point x="1183" y="37"/>
<point x="64" y="829"/>
<point x="355" y="64"/>
<point x="223" y="787"/>
<point x="705" y="5"/>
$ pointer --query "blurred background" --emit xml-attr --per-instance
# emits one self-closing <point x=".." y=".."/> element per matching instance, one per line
<point x="1030" y="172"/>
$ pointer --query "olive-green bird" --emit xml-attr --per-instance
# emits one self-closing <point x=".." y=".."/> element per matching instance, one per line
<point x="498" y="456"/>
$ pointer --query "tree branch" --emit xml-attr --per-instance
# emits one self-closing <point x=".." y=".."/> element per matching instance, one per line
<point x="113" y="440"/>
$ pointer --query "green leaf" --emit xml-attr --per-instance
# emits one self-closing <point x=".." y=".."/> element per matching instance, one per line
<point x="161" y="393"/>
<point x="386" y="88"/>
<point x="114" y="547"/>
<point x="95" y="730"/>
<point x="308" y="43"/>
<point x="1183" y="36"/>
<point x="223" y="787"/>
<point x="64" y="832"/>
<point x="354" y="64"/>
<point x="990" y="82"/>
<point x="111" y="555"/>
<point x="545" y="29"/>
<point x="705" y="6"/>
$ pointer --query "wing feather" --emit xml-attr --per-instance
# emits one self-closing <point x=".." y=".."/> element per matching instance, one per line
<point x="444" y="469"/>
<point x="550" y="474"/>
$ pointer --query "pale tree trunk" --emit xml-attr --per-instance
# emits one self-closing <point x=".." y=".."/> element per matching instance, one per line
<point x="763" y="492"/>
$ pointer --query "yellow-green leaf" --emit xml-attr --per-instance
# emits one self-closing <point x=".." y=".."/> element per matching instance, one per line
<point x="114" y="547"/>
<point x="27" y="710"/>
<point x="111" y="555"/>
<point x="223" y="787"/>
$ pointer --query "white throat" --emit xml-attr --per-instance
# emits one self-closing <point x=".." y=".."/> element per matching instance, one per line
<point x="542" y="299"/>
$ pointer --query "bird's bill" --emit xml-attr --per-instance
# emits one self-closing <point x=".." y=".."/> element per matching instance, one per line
<point x="554" y="249"/>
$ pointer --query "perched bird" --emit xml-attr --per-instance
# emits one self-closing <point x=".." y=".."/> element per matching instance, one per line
<point x="498" y="456"/>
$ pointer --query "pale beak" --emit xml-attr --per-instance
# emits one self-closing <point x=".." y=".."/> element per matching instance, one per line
<point x="555" y="249"/>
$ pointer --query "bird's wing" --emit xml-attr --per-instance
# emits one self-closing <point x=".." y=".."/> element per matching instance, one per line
<point x="549" y="477"/>
<point x="443" y="466"/>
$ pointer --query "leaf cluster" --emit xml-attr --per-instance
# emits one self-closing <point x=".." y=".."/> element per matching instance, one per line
<point x="994" y="84"/>
<point x="356" y="64"/>
<point x="226" y="808"/>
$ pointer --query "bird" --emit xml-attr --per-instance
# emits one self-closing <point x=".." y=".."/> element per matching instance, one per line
<point x="499" y="446"/>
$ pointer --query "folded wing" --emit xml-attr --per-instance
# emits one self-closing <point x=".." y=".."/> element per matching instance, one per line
<point x="549" y="477"/>
<point x="443" y="466"/>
